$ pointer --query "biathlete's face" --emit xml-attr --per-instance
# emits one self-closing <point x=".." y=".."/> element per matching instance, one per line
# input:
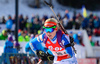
<point x="50" y="32"/>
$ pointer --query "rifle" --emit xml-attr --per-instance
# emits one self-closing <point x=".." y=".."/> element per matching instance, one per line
<point x="61" y="27"/>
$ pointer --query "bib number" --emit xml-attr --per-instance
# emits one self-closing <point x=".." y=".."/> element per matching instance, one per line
<point x="60" y="53"/>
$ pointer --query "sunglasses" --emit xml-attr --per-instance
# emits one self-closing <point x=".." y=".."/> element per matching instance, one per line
<point x="50" y="29"/>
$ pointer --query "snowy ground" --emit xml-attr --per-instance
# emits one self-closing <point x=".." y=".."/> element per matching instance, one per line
<point x="9" y="8"/>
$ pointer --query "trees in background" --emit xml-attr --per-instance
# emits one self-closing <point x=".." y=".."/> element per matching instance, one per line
<point x="90" y="4"/>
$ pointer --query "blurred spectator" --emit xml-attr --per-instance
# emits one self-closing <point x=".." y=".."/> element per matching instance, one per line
<point x="19" y="32"/>
<point x="89" y="31"/>
<point x="36" y="26"/>
<point x="22" y="25"/>
<point x="96" y="32"/>
<point x="65" y="22"/>
<point x="71" y="34"/>
<point x="97" y="43"/>
<point x="51" y="16"/>
<point x="67" y="14"/>
<point x="45" y="17"/>
<point x="91" y="15"/>
<point x="96" y="23"/>
<point x="37" y="16"/>
<point x="9" y="24"/>
<point x="21" y="37"/>
<point x="26" y="19"/>
<point x="77" y="25"/>
<point x="70" y="24"/>
<point x="3" y="35"/>
<point x="90" y="25"/>
<point x="8" y="48"/>
<point x="80" y="18"/>
<point x="85" y="23"/>
<point x="92" y="43"/>
<point x="24" y="36"/>
<point x="17" y="46"/>
<point x="32" y="19"/>
<point x="3" y="20"/>
<point x="14" y="19"/>
<point x="21" y="18"/>
<point x="59" y="16"/>
<point x="76" y="40"/>
<point x="21" y="22"/>
<point x="74" y="15"/>
<point x="27" y="38"/>
<point x="80" y="38"/>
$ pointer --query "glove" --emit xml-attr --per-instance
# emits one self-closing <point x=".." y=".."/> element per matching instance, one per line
<point x="50" y="57"/>
<point x="72" y="41"/>
<point x="42" y="55"/>
<point x="45" y="57"/>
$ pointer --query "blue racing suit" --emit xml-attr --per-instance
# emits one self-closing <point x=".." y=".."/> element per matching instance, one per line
<point x="65" y="40"/>
<point x="34" y="48"/>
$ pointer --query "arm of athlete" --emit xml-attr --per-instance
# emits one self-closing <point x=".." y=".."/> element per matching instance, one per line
<point x="36" y="43"/>
<point x="41" y="49"/>
<point x="65" y="41"/>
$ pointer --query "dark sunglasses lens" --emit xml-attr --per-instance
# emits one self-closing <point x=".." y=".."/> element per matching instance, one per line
<point x="49" y="30"/>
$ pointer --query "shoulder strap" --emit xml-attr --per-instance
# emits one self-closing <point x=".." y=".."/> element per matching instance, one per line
<point x="45" y="39"/>
<point x="59" y="36"/>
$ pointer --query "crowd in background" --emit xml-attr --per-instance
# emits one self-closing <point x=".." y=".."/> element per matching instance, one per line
<point x="34" y="26"/>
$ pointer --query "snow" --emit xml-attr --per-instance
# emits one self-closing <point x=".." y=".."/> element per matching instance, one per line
<point x="9" y="8"/>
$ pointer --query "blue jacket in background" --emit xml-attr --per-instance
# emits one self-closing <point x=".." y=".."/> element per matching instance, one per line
<point x="8" y="47"/>
<point x="76" y="40"/>
<point x="9" y="24"/>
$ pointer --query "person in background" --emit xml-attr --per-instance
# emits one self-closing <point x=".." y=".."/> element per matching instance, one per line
<point x="16" y="47"/>
<point x="8" y="47"/>
<point x="27" y="37"/>
<point x="71" y="33"/>
<point x="92" y="43"/>
<point x="9" y="24"/>
<point x="80" y="37"/>
<point x="65" y="22"/>
<point x="76" y="40"/>
<point x="3" y="20"/>
<point x="67" y="14"/>
<point x="21" y="37"/>
<point x="70" y="24"/>
<point x="21" y="22"/>
<point x="3" y="35"/>
<point x="97" y="43"/>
